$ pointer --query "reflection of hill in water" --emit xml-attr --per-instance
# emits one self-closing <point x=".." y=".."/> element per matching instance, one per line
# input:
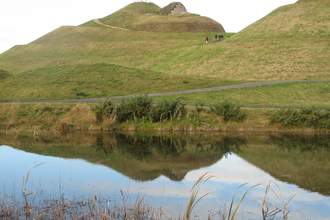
<point x="139" y="158"/>
<point x="149" y="157"/>
<point x="303" y="160"/>
<point x="173" y="168"/>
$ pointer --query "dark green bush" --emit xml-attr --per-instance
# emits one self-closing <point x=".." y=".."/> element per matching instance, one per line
<point x="81" y="94"/>
<point x="199" y="107"/>
<point x="228" y="111"/>
<point x="136" y="108"/>
<point x="288" y="117"/>
<point x="103" y="110"/>
<point x="311" y="117"/>
<point x="166" y="110"/>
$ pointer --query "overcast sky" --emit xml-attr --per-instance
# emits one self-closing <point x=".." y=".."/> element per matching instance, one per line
<point x="22" y="21"/>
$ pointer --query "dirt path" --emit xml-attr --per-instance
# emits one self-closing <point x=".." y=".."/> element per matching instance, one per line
<point x="219" y="88"/>
<point x="97" y="21"/>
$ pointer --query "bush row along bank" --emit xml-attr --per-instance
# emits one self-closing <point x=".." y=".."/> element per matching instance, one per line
<point x="140" y="114"/>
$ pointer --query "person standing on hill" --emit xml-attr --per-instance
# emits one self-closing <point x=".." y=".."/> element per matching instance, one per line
<point x="207" y="40"/>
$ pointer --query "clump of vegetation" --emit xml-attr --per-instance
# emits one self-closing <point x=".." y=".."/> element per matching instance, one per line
<point x="228" y="111"/>
<point x="166" y="110"/>
<point x="199" y="107"/>
<point x="87" y="208"/>
<point x="81" y="94"/>
<point x="136" y="108"/>
<point x="309" y="117"/>
<point x="90" y="208"/>
<point x="268" y="209"/>
<point x="103" y="110"/>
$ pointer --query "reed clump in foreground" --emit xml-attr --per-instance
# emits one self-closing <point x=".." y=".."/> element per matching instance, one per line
<point x="34" y="206"/>
<point x="90" y="208"/>
<point x="268" y="209"/>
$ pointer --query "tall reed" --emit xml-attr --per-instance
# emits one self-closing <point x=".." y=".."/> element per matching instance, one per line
<point x="192" y="202"/>
<point x="268" y="209"/>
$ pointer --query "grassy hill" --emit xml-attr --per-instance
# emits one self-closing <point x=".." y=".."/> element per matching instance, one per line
<point x="149" y="17"/>
<point x="292" y="42"/>
<point x="92" y="60"/>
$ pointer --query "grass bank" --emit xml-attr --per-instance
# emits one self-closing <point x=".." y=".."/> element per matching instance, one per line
<point x="138" y="115"/>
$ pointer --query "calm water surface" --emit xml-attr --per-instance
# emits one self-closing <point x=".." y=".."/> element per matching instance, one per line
<point x="165" y="167"/>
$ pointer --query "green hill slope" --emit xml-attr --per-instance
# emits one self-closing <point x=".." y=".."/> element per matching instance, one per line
<point x="94" y="80"/>
<point x="292" y="42"/>
<point x="4" y="74"/>
<point x="305" y="19"/>
<point x="127" y="15"/>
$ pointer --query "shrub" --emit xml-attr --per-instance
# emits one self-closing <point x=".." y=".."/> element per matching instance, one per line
<point x="135" y="108"/>
<point x="228" y="111"/>
<point x="166" y="110"/>
<point x="103" y="110"/>
<point x="81" y="94"/>
<point x="288" y="117"/>
<point x="199" y="107"/>
<point x="311" y="117"/>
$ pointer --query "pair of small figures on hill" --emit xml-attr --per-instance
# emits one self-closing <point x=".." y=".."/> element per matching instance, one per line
<point x="216" y="37"/>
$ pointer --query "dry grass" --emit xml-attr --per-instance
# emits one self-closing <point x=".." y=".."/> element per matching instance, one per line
<point x="86" y="208"/>
<point x="268" y="208"/>
<point x="80" y="117"/>
<point x="9" y="116"/>
<point x="192" y="201"/>
<point x="9" y="112"/>
<point x="62" y="118"/>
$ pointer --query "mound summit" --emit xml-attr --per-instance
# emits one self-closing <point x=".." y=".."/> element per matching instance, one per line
<point x="174" y="17"/>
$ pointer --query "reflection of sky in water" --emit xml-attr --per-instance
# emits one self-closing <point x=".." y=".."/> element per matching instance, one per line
<point x="80" y="178"/>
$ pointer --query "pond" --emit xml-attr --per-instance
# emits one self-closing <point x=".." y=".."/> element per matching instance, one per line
<point x="162" y="169"/>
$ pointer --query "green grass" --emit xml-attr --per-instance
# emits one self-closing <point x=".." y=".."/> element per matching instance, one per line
<point x="91" y="60"/>
<point x="97" y="80"/>
<point x="92" y="45"/>
<point x="149" y="17"/>
<point x="309" y="19"/>
<point x="306" y="94"/>
<point x="4" y="74"/>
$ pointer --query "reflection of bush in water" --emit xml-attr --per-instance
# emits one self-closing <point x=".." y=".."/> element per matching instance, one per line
<point x="143" y="148"/>
<point x="302" y="143"/>
<point x="105" y="144"/>
<point x="228" y="145"/>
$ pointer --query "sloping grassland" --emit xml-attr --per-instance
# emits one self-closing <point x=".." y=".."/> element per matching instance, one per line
<point x="91" y="60"/>
<point x="292" y="42"/>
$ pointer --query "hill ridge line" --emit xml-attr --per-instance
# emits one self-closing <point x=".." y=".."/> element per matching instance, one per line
<point x="97" y="21"/>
